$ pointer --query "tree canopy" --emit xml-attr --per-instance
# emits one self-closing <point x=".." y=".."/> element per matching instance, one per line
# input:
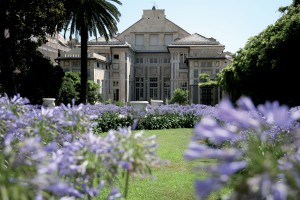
<point x="70" y="90"/>
<point x="206" y="81"/>
<point x="266" y="69"/>
<point x="23" y="27"/>
<point x="40" y="79"/>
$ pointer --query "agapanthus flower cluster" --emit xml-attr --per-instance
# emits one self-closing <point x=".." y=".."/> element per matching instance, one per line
<point x="198" y="110"/>
<point x="195" y="109"/>
<point x="254" y="151"/>
<point x="53" y="153"/>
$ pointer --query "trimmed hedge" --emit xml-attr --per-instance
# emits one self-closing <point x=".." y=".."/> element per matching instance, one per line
<point x="153" y="121"/>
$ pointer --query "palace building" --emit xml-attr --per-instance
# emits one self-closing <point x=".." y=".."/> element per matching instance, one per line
<point x="150" y="59"/>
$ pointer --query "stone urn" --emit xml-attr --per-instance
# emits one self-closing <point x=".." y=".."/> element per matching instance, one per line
<point x="49" y="102"/>
<point x="156" y="103"/>
<point x="139" y="108"/>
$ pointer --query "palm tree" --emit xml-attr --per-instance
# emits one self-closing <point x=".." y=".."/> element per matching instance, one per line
<point x="89" y="18"/>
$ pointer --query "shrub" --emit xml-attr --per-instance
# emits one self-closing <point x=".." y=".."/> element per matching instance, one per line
<point x="180" y="96"/>
<point x="93" y="94"/>
<point x="164" y="117"/>
<point x="112" y="121"/>
<point x="70" y="89"/>
<point x="120" y="103"/>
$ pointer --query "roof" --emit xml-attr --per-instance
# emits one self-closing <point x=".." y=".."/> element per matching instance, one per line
<point x="153" y="27"/>
<point x="103" y="41"/>
<point x="75" y="54"/>
<point x="195" y="39"/>
<point x="224" y="55"/>
<point x="207" y="57"/>
<point x="112" y="42"/>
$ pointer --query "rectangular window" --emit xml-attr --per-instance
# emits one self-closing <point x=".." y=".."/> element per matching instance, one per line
<point x="153" y="60"/>
<point x="196" y="73"/>
<point x="206" y="96"/>
<point x="182" y="58"/>
<point x="166" y="60"/>
<point x="167" y="88"/>
<point x="217" y="63"/>
<point x="139" y="88"/>
<point x="116" y="94"/>
<point x="89" y="74"/>
<point x="139" y="40"/>
<point x="153" y="40"/>
<point x="182" y="61"/>
<point x="168" y="39"/>
<point x="139" y="60"/>
<point x="153" y="85"/>
<point x="116" y="56"/>
<point x="206" y="64"/>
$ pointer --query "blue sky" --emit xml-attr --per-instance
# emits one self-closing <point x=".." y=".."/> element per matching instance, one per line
<point x="231" y="22"/>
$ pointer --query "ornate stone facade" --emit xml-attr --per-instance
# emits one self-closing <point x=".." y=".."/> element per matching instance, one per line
<point x="153" y="57"/>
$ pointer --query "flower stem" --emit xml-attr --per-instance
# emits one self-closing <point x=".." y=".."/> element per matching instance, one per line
<point x="126" y="184"/>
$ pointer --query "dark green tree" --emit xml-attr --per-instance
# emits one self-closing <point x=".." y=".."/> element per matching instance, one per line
<point x="70" y="89"/>
<point x="39" y="79"/>
<point x="266" y="69"/>
<point x="23" y="27"/>
<point x="87" y="18"/>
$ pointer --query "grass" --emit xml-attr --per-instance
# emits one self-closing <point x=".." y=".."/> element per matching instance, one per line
<point x="173" y="181"/>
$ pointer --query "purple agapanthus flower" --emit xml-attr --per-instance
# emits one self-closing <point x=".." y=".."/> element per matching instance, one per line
<point x="210" y="129"/>
<point x="205" y="187"/>
<point x="196" y="150"/>
<point x="249" y="142"/>
<point x="276" y="114"/>
<point x="64" y="189"/>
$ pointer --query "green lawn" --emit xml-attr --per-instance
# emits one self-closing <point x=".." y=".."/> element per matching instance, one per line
<point x="174" y="181"/>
